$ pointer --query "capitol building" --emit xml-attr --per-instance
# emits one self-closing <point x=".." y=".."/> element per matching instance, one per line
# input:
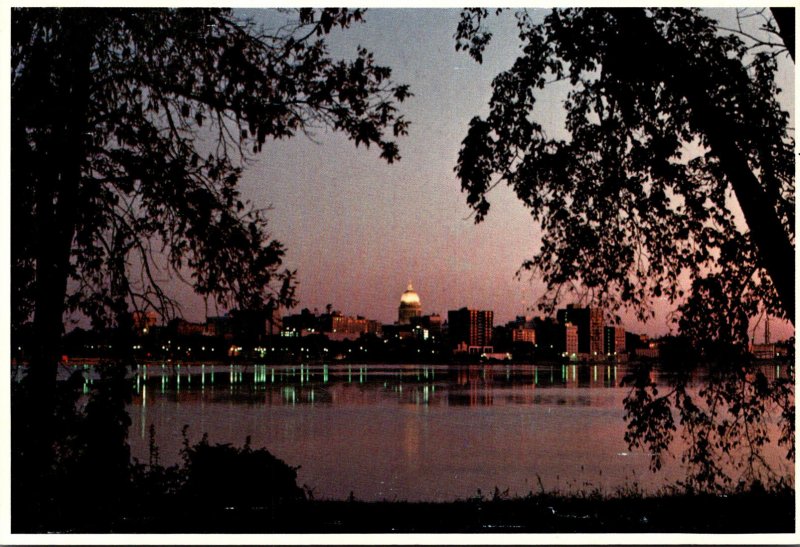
<point x="410" y="306"/>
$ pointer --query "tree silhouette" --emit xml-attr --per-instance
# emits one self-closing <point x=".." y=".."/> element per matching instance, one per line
<point x="672" y="126"/>
<point x="130" y="130"/>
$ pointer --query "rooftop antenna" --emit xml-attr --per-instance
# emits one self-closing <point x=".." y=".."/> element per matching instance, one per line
<point x="766" y="330"/>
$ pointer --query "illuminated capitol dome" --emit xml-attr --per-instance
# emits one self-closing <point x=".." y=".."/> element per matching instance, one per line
<point x="410" y="306"/>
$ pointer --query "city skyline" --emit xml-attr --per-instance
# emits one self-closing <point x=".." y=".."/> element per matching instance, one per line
<point x="761" y="332"/>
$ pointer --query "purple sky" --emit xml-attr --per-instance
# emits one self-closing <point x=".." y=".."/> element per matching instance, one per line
<point x="357" y="230"/>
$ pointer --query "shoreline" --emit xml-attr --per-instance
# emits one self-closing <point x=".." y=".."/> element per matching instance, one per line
<point x="754" y="511"/>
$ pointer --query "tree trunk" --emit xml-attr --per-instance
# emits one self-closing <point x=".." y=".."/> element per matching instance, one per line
<point x="57" y="206"/>
<point x="784" y="17"/>
<point x="773" y="245"/>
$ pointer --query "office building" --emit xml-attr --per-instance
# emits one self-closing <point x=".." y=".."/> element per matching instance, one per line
<point x="589" y="322"/>
<point x="523" y="334"/>
<point x="571" y="344"/>
<point x="471" y="329"/>
<point x="614" y="341"/>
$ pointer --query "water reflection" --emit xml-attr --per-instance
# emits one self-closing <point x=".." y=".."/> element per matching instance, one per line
<point x="411" y="431"/>
<point x="459" y="385"/>
<point x="728" y="424"/>
<point x="472" y="385"/>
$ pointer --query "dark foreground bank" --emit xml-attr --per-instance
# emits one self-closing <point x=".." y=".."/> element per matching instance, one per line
<point x="752" y="512"/>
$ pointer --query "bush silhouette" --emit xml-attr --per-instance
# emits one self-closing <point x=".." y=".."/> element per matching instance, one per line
<point x="224" y="476"/>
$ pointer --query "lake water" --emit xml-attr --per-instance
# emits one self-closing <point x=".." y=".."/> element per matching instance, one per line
<point x="409" y="432"/>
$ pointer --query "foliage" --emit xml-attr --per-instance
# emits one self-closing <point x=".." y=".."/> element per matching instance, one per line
<point x="92" y="483"/>
<point x="88" y="476"/>
<point x="224" y="476"/>
<point x="665" y="116"/>
<point x="724" y="423"/>
<point x="130" y="130"/>
<point x="674" y="135"/>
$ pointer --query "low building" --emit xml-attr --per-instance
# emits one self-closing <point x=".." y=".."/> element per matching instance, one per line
<point x="769" y="351"/>
<point x="305" y="320"/>
<point x="523" y="334"/>
<point x="501" y="356"/>
<point x="144" y="321"/>
<point x="650" y="352"/>
<point x="183" y="327"/>
<point x="462" y="347"/>
<point x="218" y="326"/>
<point x="334" y="325"/>
<point x="431" y="323"/>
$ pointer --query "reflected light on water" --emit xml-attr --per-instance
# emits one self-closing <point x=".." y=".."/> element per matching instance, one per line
<point x="415" y="432"/>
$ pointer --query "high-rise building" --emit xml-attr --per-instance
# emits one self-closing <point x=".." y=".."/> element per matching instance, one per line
<point x="549" y="336"/>
<point x="571" y="339"/>
<point x="472" y="328"/>
<point x="614" y="340"/>
<point x="410" y="306"/>
<point x="590" y="327"/>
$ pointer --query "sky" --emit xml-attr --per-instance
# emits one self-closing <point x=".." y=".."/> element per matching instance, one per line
<point x="358" y="230"/>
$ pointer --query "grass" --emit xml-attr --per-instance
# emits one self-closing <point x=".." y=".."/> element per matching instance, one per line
<point x="748" y="512"/>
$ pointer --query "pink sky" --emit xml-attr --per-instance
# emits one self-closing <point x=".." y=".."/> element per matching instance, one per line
<point x="357" y="230"/>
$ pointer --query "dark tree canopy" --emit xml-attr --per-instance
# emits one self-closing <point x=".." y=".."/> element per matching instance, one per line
<point x="672" y="126"/>
<point x="130" y="130"/>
